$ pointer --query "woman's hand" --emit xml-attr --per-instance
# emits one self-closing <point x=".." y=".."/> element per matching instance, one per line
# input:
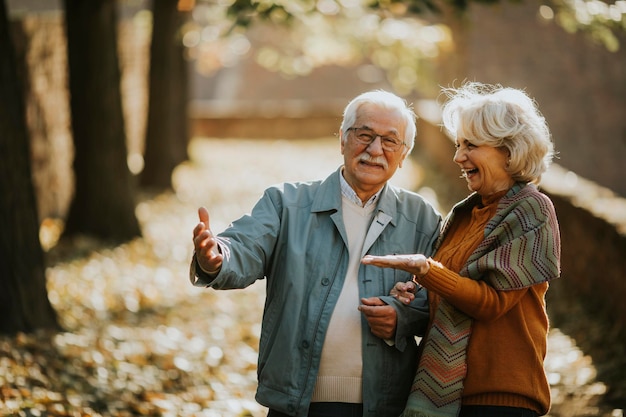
<point x="417" y="265"/>
<point x="405" y="291"/>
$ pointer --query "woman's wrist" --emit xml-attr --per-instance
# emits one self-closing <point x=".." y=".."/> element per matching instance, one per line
<point x="433" y="264"/>
<point x="430" y="263"/>
<point x="425" y="269"/>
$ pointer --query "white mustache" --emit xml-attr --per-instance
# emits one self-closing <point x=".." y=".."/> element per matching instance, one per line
<point x="378" y="160"/>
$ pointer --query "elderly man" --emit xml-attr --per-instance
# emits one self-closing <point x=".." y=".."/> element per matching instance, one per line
<point x="332" y="343"/>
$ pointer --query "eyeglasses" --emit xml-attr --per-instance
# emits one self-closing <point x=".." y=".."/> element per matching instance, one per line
<point x="366" y="136"/>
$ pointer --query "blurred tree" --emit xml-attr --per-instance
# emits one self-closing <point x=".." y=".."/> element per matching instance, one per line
<point x="103" y="205"/>
<point x="24" y="304"/>
<point x="167" y="135"/>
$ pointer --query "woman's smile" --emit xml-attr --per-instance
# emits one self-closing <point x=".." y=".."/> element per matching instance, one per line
<point x="483" y="167"/>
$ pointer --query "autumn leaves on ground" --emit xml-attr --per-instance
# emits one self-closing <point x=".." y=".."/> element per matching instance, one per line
<point x="138" y="339"/>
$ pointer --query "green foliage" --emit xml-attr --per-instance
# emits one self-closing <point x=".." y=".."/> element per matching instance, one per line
<point x="412" y="6"/>
<point x="390" y="37"/>
<point x="295" y="37"/>
<point x="420" y="7"/>
<point x="603" y="22"/>
<point x="246" y="12"/>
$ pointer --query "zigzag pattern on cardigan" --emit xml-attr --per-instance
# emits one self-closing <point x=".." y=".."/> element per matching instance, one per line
<point x="521" y="247"/>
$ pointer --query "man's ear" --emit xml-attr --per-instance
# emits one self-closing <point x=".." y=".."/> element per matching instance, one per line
<point x="404" y="155"/>
<point x="341" y="141"/>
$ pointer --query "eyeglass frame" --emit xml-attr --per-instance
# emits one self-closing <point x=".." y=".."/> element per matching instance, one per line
<point x="384" y="140"/>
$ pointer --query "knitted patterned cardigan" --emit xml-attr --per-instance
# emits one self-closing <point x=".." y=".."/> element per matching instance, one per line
<point x="521" y="247"/>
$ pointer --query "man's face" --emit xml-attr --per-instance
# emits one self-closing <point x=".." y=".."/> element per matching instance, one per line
<point x="369" y="167"/>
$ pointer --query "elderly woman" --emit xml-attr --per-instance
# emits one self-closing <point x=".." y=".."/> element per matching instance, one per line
<point x="486" y="343"/>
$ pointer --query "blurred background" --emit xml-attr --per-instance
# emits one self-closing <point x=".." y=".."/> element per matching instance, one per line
<point x="119" y="118"/>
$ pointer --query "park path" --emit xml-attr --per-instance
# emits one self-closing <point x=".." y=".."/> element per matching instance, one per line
<point x="140" y="340"/>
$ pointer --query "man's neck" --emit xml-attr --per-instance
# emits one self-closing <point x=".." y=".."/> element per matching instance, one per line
<point x="349" y="191"/>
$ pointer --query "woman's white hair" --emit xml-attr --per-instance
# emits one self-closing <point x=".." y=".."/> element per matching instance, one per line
<point x="385" y="100"/>
<point x="501" y="117"/>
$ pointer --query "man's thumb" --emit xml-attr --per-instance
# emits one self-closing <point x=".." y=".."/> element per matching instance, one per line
<point x="203" y="214"/>
<point x="372" y="301"/>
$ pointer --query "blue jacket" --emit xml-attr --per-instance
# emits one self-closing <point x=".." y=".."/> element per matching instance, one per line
<point x="295" y="238"/>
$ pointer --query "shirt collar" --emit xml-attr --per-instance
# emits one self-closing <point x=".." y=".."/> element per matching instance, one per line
<point x="348" y="192"/>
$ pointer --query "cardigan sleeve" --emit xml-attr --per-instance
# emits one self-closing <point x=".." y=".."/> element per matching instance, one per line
<point x="475" y="298"/>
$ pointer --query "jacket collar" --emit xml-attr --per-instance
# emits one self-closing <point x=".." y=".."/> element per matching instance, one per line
<point x="329" y="197"/>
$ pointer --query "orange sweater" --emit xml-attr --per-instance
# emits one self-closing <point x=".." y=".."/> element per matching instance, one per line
<point x="508" y="342"/>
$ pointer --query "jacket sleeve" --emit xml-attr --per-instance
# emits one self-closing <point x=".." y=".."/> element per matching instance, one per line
<point x="412" y="319"/>
<point x="247" y="245"/>
<point x="197" y="276"/>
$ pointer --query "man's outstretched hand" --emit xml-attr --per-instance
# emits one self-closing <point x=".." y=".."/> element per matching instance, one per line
<point x="205" y="245"/>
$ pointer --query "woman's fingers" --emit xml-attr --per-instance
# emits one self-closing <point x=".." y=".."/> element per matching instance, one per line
<point x="404" y="291"/>
<point x="409" y="263"/>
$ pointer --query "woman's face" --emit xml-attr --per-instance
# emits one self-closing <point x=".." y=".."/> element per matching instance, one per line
<point x="484" y="167"/>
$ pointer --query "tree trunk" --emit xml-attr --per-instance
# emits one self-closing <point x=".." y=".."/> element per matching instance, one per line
<point x="24" y="304"/>
<point x="167" y="129"/>
<point x="103" y="205"/>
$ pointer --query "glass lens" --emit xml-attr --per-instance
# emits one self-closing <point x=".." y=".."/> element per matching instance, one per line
<point x="366" y="136"/>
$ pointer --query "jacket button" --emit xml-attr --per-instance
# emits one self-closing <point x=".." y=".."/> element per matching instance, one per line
<point x="305" y="344"/>
<point x="325" y="282"/>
